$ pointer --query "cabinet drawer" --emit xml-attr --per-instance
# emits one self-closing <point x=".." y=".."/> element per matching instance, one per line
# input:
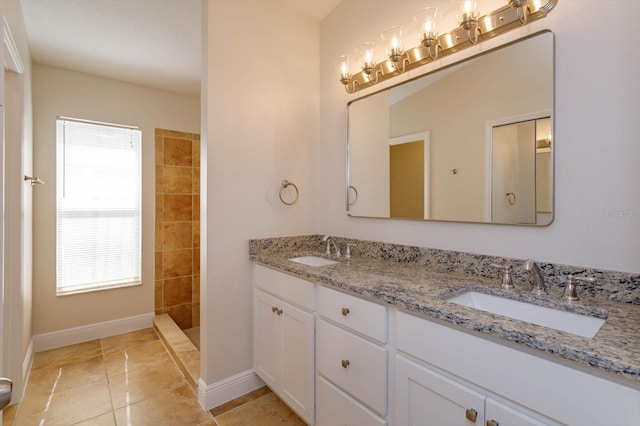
<point x="285" y="286"/>
<point x="352" y="312"/>
<point x="336" y="408"/>
<point x="354" y="364"/>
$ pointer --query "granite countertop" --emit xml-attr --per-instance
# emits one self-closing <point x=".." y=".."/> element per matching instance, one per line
<point x="615" y="349"/>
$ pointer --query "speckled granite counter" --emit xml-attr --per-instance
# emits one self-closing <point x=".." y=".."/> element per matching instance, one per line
<point x="423" y="290"/>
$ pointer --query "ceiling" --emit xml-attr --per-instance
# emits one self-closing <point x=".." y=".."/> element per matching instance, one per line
<point x="154" y="43"/>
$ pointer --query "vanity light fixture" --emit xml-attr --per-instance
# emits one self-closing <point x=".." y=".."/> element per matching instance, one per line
<point x="468" y="18"/>
<point x="364" y="53"/>
<point x="392" y="38"/>
<point x="522" y="9"/>
<point x="342" y="66"/>
<point x="472" y="30"/>
<point x="425" y="19"/>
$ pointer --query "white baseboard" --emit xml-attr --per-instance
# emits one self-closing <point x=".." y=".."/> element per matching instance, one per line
<point x="20" y="383"/>
<point x="71" y="336"/>
<point x="215" y="394"/>
<point x="28" y="359"/>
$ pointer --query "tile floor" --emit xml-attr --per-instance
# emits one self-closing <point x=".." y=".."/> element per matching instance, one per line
<point x="130" y="380"/>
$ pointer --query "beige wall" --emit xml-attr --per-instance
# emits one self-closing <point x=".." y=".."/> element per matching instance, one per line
<point x="59" y="92"/>
<point x="596" y="131"/>
<point x="260" y="126"/>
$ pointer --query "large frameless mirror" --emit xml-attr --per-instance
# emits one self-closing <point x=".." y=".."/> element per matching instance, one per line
<point x="472" y="142"/>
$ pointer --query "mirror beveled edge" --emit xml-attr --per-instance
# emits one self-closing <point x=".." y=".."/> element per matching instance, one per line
<point x="348" y="188"/>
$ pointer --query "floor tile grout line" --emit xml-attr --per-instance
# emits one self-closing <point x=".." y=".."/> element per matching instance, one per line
<point x="106" y="373"/>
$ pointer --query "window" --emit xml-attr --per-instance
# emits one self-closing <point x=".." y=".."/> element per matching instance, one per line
<point x="98" y="225"/>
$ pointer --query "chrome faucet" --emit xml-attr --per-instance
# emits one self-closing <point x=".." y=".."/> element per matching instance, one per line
<point x="539" y="286"/>
<point x="327" y="239"/>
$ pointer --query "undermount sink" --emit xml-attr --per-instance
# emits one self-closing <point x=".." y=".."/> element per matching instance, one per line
<point x="580" y="325"/>
<point x="313" y="260"/>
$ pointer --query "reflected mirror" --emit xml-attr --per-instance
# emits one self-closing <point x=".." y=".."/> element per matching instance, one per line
<point x="472" y="142"/>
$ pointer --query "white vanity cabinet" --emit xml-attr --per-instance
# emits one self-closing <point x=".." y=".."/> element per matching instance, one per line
<point x="341" y="360"/>
<point x="351" y="360"/>
<point x="441" y="372"/>
<point x="424" y="396"/>
<point x="283" y="338"/>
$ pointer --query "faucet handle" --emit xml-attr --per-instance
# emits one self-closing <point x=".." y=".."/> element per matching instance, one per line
<point x="570" y="293"/>
<point x="347" y="254"/>
<point x="507" y="282"/>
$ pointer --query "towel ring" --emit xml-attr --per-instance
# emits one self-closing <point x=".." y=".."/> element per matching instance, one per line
<point x="356" y="192"/>
<point x="286" y="184"/>
<point x="511" y="198"/>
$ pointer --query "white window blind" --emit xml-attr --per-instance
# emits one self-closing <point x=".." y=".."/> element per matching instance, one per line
<point x="98" y="226"/>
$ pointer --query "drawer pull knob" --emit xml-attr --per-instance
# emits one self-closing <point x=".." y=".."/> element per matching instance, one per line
<point x="471" y="414"/>
<point x="274" y="309"/>
<point x="279" y="311"/>
<point x="492" y="423"/>
<point x="345" y="363"/>
<point x="345" y="311"/>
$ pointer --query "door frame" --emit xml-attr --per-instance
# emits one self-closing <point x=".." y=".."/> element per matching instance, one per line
<point x="12" y="362"/>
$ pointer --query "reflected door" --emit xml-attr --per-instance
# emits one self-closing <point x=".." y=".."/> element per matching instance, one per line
<point x="406" y="180"/>
<point x="513" y="191"/>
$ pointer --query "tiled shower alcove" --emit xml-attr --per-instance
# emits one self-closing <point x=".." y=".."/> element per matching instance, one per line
<point x="177" y="227"/>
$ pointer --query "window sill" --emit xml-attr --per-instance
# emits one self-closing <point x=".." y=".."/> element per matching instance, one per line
<point x="90" y="288"/>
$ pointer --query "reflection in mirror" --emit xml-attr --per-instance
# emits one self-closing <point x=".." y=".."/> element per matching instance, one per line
<point x="520" y="184"/>
<point x="468" y="143"/>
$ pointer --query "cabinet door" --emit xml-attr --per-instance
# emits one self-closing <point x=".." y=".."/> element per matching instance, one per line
<point x="499" y="414"/>
<point x="424" y="397"/>
<point x="267" y="339"/>
<point x="298" y="357"/>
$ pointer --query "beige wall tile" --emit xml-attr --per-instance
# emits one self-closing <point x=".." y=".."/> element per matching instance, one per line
<point x="159" y="150"/>
<point x="178" y="152"/>
<point x="178" y="180"/>
<point x="158" y="268"/>
<point x="196" y="261"/>
<point x="195" y="288"/>
<point x="158" y="236"/>
<point x="177" y="207"/>
<point x="176" y="134"/>
<point x="181" y="314"/>
<point x="159" y="206"/>
<point x="196" y="207"/>
<point x="159" y="179"/>
<point x="195" y="233"/>
<point x="177" y="235"/>
<point x="196" y="181"/>
<point x="196" y="152"/>
<point x="177" y="291"/>
<point x="195" y="315"/>
<point x="157" y="293"/>
<point x="177" y="263"/>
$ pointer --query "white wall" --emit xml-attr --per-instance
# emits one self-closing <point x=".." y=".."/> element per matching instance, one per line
<point x="58" y="92"/>
<point x="596" y="132"/>
<point x="260" y="126"/>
